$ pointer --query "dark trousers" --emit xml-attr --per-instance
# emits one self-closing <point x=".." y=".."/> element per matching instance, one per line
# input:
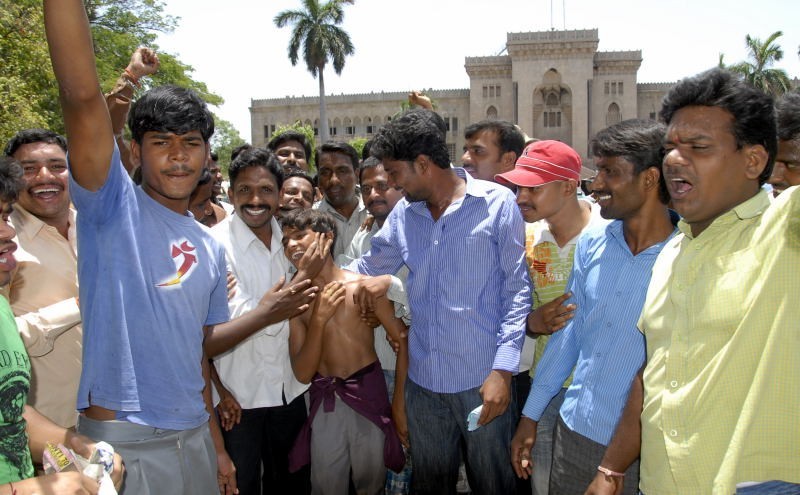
<point x="263" y="438"/>
<point x="521" y="385"/>
<point x="437" y="426"/>
<point x="575" y="461"/>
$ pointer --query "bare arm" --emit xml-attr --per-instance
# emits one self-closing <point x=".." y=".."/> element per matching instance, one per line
<point x="397" y="330"/>
<point x="86" y="118"/>
<point x="305" y="340"/>
<point x="41" y="431"/>
<point x="144" y="62"/>
<point x="226" y="471"/>
<point x="279" y="304"/>
<point x="229" y="409"/>
<point x="625" y="445"/>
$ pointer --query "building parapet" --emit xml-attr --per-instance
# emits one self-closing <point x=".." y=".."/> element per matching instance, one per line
<point x="553" y="36"/>
<point x="634" y="55"/>
<point x="495" y="60"/>
<point x="437" y="94"/>
<point x="655" y="86"/>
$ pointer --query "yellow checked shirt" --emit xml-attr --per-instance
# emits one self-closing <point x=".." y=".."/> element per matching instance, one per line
<point x="722" y="382"/>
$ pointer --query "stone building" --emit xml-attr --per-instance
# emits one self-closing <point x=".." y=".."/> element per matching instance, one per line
<point x="553" y="84"/>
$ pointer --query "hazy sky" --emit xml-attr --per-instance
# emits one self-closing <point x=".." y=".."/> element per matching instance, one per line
<point x="413" y="44"/>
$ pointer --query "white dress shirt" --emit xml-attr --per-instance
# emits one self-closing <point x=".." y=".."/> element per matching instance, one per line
<point x="257" y="370"/>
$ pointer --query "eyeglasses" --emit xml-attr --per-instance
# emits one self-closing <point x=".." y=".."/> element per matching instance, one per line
<point x="381" y="187"/>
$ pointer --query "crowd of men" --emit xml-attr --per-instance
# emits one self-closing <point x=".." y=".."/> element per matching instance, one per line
<point x="386" y="321"/>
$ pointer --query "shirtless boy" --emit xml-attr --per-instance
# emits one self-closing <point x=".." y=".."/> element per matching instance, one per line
<point x="331" y="348"/>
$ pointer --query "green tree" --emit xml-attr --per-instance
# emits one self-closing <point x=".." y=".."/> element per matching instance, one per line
<point x="316" y="30"/>
<point x="225" y="139"/>
<point x="358" y="143"/>
<point x="30" y="93"/>
<point x="758" y="69"/>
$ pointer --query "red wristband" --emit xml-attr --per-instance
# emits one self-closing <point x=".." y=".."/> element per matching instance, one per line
<point x="609" y="472"/>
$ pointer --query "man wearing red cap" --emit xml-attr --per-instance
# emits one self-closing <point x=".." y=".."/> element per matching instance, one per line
<point x="608" y="283"/>
<point x="546" y="177"/>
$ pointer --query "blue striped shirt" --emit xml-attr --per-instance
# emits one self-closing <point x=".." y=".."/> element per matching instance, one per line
<point x="601" y="342"/>
<point x="468" y="284"/>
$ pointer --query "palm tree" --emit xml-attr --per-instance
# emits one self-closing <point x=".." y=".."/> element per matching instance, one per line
<point x="757" y="71"/>
<point x="316" y="30"/>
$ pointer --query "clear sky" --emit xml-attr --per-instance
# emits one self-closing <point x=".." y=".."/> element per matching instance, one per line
<point x="238" y="52"/>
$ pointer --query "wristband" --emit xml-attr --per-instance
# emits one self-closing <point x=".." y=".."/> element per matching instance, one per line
<point x="609" y="472"/>
<point x="133" y="79"/>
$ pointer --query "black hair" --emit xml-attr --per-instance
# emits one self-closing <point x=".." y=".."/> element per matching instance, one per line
<point x="256" y="157"/>
<point x="509" y="137"/>
<point x="369" y="162"/>
<point x="338" y="147"/>
<point x="415" y="132"/>
<point x="317" y="221"/>
<point x="28" y="136"/>
<point x="788" y="110"/>
<point x="752" y="110"/>
<point x="365" y="151"/>
<point x="205" y="178"/>
<point x="302" y="175"/>
<point x="639" y="141"/>
<point x="170" y="109"/>
<point x="290" y="135"/>
<point x="11" y="181"/>
<point x="239" y="149"/>
<point x="214" y="156"/>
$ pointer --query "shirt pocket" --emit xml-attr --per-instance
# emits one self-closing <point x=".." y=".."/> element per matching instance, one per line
<point x="725" y="293"/>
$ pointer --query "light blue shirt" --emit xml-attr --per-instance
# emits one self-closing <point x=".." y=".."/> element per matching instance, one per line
<point x="601" y="342"/>
<point x="468" y="284"/>
<point x="150" y="280"/>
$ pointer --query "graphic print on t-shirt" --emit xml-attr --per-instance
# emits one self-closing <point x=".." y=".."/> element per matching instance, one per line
<point x="185" y="261"/>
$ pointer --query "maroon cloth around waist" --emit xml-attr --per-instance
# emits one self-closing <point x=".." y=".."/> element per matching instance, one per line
<point x="365" y="392"/>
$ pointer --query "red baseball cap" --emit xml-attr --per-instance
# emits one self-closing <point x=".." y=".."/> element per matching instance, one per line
<point x="543" y="162"/>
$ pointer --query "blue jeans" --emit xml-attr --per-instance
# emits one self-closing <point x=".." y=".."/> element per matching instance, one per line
<point x="770" y="488"/>
<point x="542" y="454"/>
<point x="437" y="425"/>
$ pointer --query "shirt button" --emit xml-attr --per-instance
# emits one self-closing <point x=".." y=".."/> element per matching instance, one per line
<point x="608" y="324"/>
<point x="673" y="383"/>
<point x="673" y="433"/>
<point x="435" y="243"/>
<point x="619" y="293"/>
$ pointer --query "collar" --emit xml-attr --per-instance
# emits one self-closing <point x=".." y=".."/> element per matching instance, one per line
<point x="242" y="236"/>
<point x="323" y="205"/>
<point x="27" y="222"/>
<point x="745" y="210"/>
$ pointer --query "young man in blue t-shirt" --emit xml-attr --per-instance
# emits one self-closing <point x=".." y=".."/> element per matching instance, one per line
<point x="152" y="281"/>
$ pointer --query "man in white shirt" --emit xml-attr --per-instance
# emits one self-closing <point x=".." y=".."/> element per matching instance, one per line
<point x="257" y="372"/>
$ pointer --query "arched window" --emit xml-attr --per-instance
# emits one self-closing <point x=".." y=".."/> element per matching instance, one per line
<point x="614" y="115"/>
<point x="491" y="112"/>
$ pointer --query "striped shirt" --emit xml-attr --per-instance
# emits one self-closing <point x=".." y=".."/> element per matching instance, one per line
<point x="601" y="342"/>
<point x="468" y="284"/>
